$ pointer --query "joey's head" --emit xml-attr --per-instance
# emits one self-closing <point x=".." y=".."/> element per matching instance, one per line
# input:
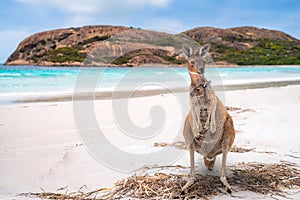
<point x="196" y="60"/>
<point x="199" y="90"/>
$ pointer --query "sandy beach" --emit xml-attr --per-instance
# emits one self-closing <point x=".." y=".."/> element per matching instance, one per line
<point x="41" y="148"/>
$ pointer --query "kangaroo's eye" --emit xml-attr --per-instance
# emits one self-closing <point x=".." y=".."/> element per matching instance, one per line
<point x="198" y="89"/>
<point x="193" y="62"/>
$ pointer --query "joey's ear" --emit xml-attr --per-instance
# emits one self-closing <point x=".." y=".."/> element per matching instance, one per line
<point x="187" y="51"/>
<point x="204" y="50"/>
<point x="206" y="84"/>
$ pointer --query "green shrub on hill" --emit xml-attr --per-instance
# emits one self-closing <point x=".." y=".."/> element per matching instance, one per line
<point x="64" y="54"/>
<point x="266" y="52"/>
<point x="93" y="39"/>
<point x="121" y="60"/>
<point x="173" y="60"/>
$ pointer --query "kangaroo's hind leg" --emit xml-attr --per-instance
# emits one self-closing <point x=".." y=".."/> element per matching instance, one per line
<point x="189" y="141"/>
<point x="228" y="138"/>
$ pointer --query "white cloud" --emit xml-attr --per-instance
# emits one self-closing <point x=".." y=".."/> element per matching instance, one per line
<point x="9" y="40"/>
<point x="84" y="12"/>
<point x="93" y="6"/>
<point x="165" y="25"/>
<point x="154" y="3"/>
<point x="73" y="6"/>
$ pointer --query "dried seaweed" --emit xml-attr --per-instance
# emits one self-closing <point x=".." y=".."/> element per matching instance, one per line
<point x="181" y="145"/>
<point x="237" y="149"/>
<point x="79" y="195"/>
<point x="177" y="145"/>
<point x="230" y="108"/>
<point x="265" y="179"/>
<point x="238" y="110"/>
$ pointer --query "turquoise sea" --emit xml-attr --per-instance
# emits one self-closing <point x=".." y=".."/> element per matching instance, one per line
<point x="23" y="82"/>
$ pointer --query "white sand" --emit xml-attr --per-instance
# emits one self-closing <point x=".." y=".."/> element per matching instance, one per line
<point x="40" y="146"/>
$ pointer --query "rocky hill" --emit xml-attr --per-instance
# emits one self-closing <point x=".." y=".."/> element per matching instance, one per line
<point x="61" y="47"/>
<point x="117" y="45"/>
<point x="249" y="45"/>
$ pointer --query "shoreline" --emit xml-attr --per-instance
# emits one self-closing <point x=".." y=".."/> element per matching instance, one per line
<point x="146" y="93"/>
<point x="144" y="65"/>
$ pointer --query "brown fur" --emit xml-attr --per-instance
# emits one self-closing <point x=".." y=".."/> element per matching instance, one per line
<point x="213" y="133"/>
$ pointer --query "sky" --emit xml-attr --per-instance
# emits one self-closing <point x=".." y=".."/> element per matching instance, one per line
<point x="21" y="18"/>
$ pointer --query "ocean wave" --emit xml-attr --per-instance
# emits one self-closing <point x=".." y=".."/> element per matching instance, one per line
<point x="249" y="81"/>
<point x="39" y="82"/>
<point x="10" y="74"/>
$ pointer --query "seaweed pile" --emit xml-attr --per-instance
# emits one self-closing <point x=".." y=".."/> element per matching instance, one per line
<point x="266" y="179"/>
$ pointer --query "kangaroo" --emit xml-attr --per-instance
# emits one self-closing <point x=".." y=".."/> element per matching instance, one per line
<point x="208" y="127"/>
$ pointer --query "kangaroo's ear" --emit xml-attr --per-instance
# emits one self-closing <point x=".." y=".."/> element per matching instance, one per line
<point x="187" y="51"/>
<point x="204" y="50"/>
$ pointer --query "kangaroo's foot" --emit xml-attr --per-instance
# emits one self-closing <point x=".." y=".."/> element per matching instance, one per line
<point x="188" y="184"/>
<point x="209" y="163"/>
<point x="224" y="181"/>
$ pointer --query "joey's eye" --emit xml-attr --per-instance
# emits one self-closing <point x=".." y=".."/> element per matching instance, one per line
<point x="193" y="62"/>
<point x="198" y="89"/>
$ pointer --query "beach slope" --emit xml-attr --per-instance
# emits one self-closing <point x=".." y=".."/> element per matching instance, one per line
<point x="41" y="149"/>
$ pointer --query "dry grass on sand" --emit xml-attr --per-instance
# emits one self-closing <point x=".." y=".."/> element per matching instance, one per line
<point x="265" y="179"/>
